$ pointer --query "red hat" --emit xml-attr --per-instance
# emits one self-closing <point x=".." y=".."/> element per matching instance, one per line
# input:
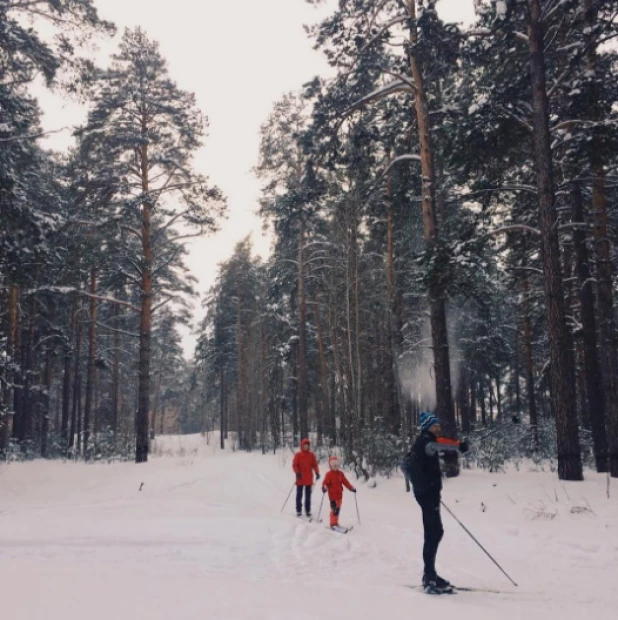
<point x="333" y="461"/>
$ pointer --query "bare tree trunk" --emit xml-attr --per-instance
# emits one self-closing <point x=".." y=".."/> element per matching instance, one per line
<point x="222" y="388"/>
<point x="325" y="399"/>
<point x="607" y="327"/>
<point x="360" y="405"/>
<point x="483" y="404"/>
<point x="532" y="410"/>
<point x="339" y="391"/>
<point x="593" y="372"/>
<point x="6" y="428"/>
<point x="582" y="400"/>
<point x="350" y="412"/>
<point x="145" y="323"/>
<point x="473" y="416"/>
<point x="157" y="398"/>
<point x="240" y="384"/>
<point x="437" y="295"/>
<point x="393" y="405"/>
<point x="498" y="397"/>
<point x="76" y="409"/>
<point x="262" y="379"/>
<point x="46" y="412"/>
<point x="569" y="455"/>
<point x="25" y="426"/>
<point x="66" y="380"/>
<point x="464" y="407"/>
<point x="91" y="359"/>
<point x="301" y="381"/>
<point x="116" y="374"/>
<point x="517" y="373"/>
<point x="490" y="392"/>
<point x="18" y="370"/>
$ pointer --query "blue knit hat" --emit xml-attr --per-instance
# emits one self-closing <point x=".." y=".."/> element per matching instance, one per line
<point x="427" y="420"/>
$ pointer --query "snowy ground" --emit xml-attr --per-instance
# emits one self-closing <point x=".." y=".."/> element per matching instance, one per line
<point x="204" y="539"/>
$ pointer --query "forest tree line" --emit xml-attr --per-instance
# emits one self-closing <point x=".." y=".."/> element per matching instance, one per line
<point x="442" y="229"/>
<point x="93" y="279"/>
<point x="443" y="238"/>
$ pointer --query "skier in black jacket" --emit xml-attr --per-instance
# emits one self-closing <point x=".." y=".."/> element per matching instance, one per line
<point x="421" y="466"/>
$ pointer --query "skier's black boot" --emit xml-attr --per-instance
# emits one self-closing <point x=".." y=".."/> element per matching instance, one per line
<point x="432" y="584"/>
<point x="443" y="584"/>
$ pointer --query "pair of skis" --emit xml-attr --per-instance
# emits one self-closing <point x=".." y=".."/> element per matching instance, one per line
<point x="339" y="529"/>
<point x="454" y="589"/>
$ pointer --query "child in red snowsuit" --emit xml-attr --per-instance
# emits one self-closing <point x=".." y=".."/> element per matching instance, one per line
<point x="334" y="481"/>
<point x="304" y="465"/>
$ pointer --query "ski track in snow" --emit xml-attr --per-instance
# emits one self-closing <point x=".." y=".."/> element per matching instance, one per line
<point x="205" y="538"/>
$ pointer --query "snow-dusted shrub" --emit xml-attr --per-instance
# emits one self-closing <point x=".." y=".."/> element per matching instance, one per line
<point x="378" y="454"/>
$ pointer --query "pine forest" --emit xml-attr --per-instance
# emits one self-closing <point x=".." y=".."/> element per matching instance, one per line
<point x="441" y="208"/>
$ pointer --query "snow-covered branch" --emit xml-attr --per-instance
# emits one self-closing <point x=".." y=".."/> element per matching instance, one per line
<point x="403" y="78"/>
<point x="396" y="86"/>
<point x="69" y="290"/>
<point x="399" y="159"/>
<point x="512" y="228"/>
<point x="34" y="136"/>
<point x="393" y="22"/>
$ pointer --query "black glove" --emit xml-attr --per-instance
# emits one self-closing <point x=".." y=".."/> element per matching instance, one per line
<point x="464" y="446"/>
<point x="323" y="489"/>
<point x="353" y="490"/>
<point x="317" y="476"/>
<point x="298" y="476"/>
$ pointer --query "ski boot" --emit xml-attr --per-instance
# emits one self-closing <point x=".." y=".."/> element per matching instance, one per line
<point x="434" y="584"/>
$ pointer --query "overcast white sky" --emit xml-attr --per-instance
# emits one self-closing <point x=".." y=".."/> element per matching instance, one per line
<point x="238" y="57"/>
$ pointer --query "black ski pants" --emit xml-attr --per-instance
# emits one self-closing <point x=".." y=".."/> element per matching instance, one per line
<point x="432" y="524"/>
<point x="299" y="498"/>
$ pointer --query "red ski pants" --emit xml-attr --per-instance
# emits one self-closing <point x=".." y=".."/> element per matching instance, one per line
<point x="335" y="508"/>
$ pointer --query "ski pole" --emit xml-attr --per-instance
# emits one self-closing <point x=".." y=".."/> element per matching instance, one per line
<point x="357" y="512"/>
<point x="477" y="542"/>
<point x="320" y="509"/>
<point x="288" y="497"/>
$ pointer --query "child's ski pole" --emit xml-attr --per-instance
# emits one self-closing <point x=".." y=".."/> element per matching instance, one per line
<point x="357" y="512"/>
<point x="288" y="497"/>
<point x="320" y="509"/>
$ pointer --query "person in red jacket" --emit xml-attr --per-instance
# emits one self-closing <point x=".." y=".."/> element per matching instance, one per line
<point x="304" y="465"/>
<point x="334" y="481"/>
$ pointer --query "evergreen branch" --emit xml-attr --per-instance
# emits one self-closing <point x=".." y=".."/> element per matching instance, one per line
<point x="179" y="238"/>
<point x="503" y="188"/>
<point x="116" y="330"/>
<point x="166" y="263"/>
<point x="403" y="78"/>
<point x="170" y="222"/>
<point x="34" y="136"/>
<point x="400" y="158"/>
<point x="69" y="290"/>
<point x="393" y="22"/>
<point x="165" y="302"/>
<point x="391" y="88"/>
<point x="512" y="227"/>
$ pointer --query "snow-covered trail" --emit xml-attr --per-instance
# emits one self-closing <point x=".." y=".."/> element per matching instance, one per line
<point x="204" y="538"/>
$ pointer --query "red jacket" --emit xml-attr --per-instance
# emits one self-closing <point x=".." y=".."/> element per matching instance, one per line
<point x="334" y="481"/>
<point x="305" y="464"/>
